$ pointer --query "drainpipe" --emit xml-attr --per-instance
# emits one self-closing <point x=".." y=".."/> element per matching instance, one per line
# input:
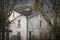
<point x="27" y="28"/>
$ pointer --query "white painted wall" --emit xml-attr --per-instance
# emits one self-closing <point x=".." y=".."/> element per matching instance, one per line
<point x="34" y="24"/>
<point x="13" y="26"/>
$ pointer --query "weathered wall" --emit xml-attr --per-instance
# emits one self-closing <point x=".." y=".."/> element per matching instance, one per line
<point x="14" y="26"/>
<point x="35" y="28"/>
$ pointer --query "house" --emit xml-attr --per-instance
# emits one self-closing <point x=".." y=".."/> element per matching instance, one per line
<point x="27" y="24"/>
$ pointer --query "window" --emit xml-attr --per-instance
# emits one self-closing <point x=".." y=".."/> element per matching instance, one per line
<point x="18" y="23"/>
<point x="18" y="36"/>
<point x="13" y="15"/>
<point x="40" y="16"/>
<point x="40" y="23"/>
<point x="30" y="34"/>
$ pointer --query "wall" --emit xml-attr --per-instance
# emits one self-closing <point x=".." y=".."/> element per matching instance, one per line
<point x="34" y="25"/>
<point x="14" y="25"/>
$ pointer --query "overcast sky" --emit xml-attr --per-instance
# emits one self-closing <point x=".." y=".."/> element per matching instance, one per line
<point x="24" y="3"/>
<point x="29" y="3"/>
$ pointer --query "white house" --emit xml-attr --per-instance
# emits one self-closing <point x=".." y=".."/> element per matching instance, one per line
<point x="25" y="26"/>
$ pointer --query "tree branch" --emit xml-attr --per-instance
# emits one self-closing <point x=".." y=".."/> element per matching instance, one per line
<point x="12" y="20"/>
<point x="44" y="14"/>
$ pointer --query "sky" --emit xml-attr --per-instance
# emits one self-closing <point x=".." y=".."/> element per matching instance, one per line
<point x="28" y="3"/>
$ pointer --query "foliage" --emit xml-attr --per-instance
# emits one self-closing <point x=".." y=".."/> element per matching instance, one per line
<point x="5" y="8"/>
<point x="54" y="6"/>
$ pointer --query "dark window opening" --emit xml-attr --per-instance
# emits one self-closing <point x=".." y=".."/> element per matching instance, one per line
<point x="18" y="36"/>
<point x="18" y="23"/>
<point x="40" y="23"/>
<point x="30" y="35"/>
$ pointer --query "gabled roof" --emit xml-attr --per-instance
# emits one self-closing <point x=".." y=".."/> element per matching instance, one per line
<point x="24" y="10"/>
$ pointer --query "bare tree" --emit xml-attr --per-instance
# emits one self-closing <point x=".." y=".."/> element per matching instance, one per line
<point x="55" y="5"/>
<point x="5" y="8"/>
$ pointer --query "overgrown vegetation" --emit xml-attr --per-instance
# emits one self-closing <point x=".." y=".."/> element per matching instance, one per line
<point x="53" y="7"/>
<point x="5" y="8"/>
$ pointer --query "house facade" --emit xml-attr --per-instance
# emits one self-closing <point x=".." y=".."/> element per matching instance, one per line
<point x="26" y="27"/>
<point x="17" y="26"/>
<point x="38" y="26"/>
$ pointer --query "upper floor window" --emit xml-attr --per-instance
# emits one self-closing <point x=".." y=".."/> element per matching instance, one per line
<point x="40" y="23"/>
<point x="13" y="15"/>
<point x="40" y="16"/>
<point x="18" y="23"/>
